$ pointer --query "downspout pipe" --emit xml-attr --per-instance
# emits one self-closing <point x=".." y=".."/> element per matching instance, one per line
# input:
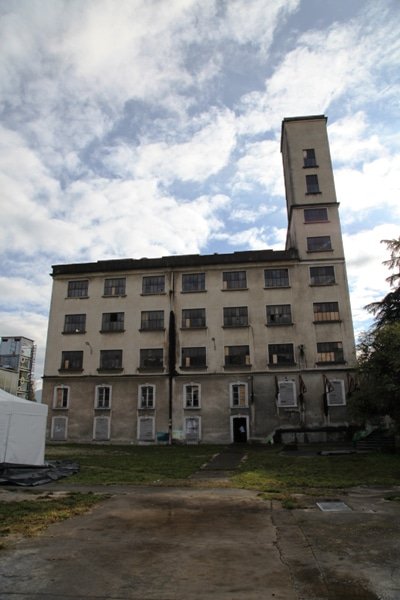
<point x="171" y="369"/>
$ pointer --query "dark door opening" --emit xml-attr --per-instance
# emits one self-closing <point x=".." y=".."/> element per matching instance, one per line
<point x="240" y="430"/>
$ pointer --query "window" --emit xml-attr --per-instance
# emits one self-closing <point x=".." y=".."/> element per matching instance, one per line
<point x="110" y="359"/>
<point x="191" y="395"/>
<point x="151" y="358"/>
<point x="74" y="324"/>
<point x="315" y="215"/>
<point x="152" y="320"/>
<point x="335" y="394"/>
<point x="279" y="314"/>
<point x="238" y="395"/>
<point x="59" y="428"/>
<point x="287" y="393"/>
<point x="322" y="275"/>
<point x="309" y="157"/>
<point x="312" y="184"/>
<point x="61" y="397"/>
<point x="326" y="311"/>
<point x="236" y="316"/>
<point x="193" y="282"/>
<point x="78" y="289"/>
<point x="147" y="396"/>
<point x="321" y="243"/>
<point x="146" y="429"/>
<point x="236" y="356"/>
<point x="192" y="429"/>
<point x="330" y="352"/>
<point x="72" y="360"/>
<point x="193" y="317"/>
<point x="153" y="285"/>
<point x="102" y="399"/>
<point x="193" y="357"/>
<point x="115" y="287"/>
<point x="234" y="280"/>
<point x="275" y="278"/>
<point x="112" y="322"/>
<point x="101" y="428"/>
<point x="280" y="354"/>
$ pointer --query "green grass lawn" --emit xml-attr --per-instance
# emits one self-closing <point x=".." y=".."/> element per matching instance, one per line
<point x="132" y="464"/>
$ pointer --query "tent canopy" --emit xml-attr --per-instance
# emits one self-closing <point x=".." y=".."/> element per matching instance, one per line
<point x="22" y="430"/>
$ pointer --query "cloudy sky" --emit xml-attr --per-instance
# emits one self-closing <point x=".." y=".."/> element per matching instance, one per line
<point x="134" y="128"/>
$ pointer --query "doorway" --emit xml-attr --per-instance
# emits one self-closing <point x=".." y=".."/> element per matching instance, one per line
<point x="239" y="430"/>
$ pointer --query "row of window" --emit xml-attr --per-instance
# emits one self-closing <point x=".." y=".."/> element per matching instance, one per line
<point x="195" y="318"/>
<point x="231" y="280"/>
<point x="145" y="429"/>
<point x="238" y="395"/>
<point x="234" y="356"/>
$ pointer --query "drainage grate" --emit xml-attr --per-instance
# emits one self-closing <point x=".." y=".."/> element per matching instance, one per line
<point x="333" y="506"/>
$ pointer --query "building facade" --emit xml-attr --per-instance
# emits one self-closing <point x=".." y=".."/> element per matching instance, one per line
<point x="221" y="348"/>
<point x="17" y="361"/>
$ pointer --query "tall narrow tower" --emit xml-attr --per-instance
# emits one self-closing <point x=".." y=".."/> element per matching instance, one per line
<point x="313" y="219"/>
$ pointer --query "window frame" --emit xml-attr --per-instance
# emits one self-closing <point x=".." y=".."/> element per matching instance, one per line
<point x="279" y="352"/>
<point x="320" y="214"/>
<point x="189" y="403"/>
<point x="70" y="327"/>
<point x="112" y="325"/>
<point x="120" y="288"/>
<point x="230" y="282"/>
<point x="196" y="284"/>
<point x="233" y="318"/>
<point x="157" y="364"/>
<point x="74" y="356"/>
<point x="283" y="403"/>
<point x="193" y="352"/>
<point x="334" y="315"/>
<point x="143" y="403"/>
<point x="64" y="388"/>
<point x="78" y="285"/>
<point x="309" y="158"/>
<point x="192" y="418"/>
<point x="97" y="401"/>
<point x="118" y="359"/>
<point x="186" y="316"/>
<point x="279" y="322"/>
<point x="337" y="352"/>
<point x="312" y="185"/>
<point x="320" y="276"/>
<point x="324" y="243"/>
<point x="230" y="357"/>
<point x="107" y="419"/>
<point x="157" y="287"/>
<point x="330" y="396"/>
<point x="277" y="281"/>
<point x="160" y="326"/>
<point x="140" y="419"/>
<point x="239" y="385"/>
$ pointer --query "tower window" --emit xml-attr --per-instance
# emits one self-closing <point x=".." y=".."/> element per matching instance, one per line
<point x="309" y="158"/>
<point x="312" y="184"/>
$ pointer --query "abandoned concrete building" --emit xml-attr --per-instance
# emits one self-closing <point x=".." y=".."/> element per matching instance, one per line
<point x="221" y="348"/>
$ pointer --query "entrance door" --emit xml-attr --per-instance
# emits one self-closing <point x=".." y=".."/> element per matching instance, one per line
<point x="240" y="430"/>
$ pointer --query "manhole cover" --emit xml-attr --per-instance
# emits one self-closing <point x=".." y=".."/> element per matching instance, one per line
<point x="333" y="506"/>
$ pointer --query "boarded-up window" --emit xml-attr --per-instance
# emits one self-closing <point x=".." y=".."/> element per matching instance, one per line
<point x="192" y="429"/>
<point x="287" y="394"/>
<point x="337" y="396"/>
<point x="146" y="429"/>
<point x="59" y="429"/>
<point x="101" y="428"/>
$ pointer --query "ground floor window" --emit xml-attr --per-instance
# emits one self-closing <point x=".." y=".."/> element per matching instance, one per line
<point x="336" y="395"/>
<point x="287" y="393"/>
<point x="192" y="429"/>
<point x="61" y="397"/>
<point x="191" y="395"/>
<point x="147" y="396"/>
<point x="238" y="395"/>
<point x="146" y="429"/>
<point x="103" y="397"/>
<point x="59" y="429"/>
<point x="101" y="428"/>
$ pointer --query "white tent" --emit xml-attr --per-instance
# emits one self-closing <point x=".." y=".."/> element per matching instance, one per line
<point x="22" y="430"/>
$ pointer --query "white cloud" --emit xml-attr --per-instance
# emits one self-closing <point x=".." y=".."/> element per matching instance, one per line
<point x="261" y="164"/>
